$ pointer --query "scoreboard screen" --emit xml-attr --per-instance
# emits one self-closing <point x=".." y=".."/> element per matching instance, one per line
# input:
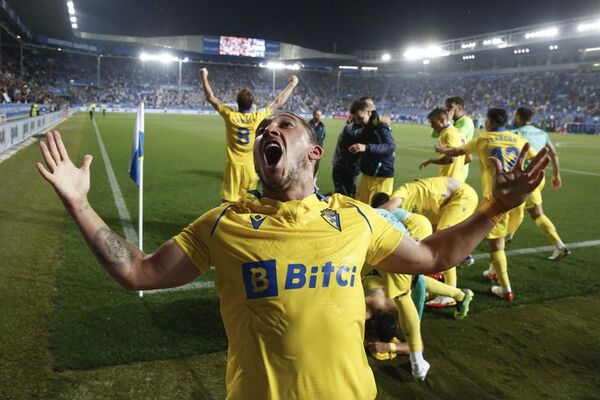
<point x="237" y="46"/>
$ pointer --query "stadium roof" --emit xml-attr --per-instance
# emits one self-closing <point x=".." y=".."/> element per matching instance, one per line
<point x="386" y="24"/>
<point x="44" y="17"/>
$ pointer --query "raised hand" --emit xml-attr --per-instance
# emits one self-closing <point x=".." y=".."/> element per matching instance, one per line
<point x="70" y="183"/>
<point x="511" y="188"/>
<point x="294" y="80"/>
<point x="203" y="72"/>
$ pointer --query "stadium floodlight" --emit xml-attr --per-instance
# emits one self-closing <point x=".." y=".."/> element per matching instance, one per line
<point x="521" y="51"/>
<point x="71" y="7"/>
<point x="165" y="58"/>
<point x="386" y="57"/>
<point x="542" y="33"/>
<point x="74" y="26"/>
<point x="73" y="19"/>
<point x="469" y="45"/>
<point x="496" y="41"/>
<point x="426" y="62"/>
<point x="591" y="49"/>
<point x="553" y="47"/>
<point x="469" y="57"/>
<point x="420" y="53"/>
<point x="589" y="26"/>
<point x="369" y="68"/>
<point x="348" y="67"/>
<point x="185" y="59"/>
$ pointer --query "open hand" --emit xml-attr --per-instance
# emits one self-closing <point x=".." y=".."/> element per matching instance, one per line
<point x="70" y="183"/>
<point x="511" y="188"/>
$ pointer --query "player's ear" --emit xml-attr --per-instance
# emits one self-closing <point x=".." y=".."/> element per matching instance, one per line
<point x="315" y="153"/>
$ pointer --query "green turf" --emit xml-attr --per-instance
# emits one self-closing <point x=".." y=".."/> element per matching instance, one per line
<point x="58" y="287"/>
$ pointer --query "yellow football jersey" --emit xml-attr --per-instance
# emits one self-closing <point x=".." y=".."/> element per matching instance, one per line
<point x="423" y="195"/>
<point x="502" y="144"/>
<point x="292" y="302"/>
<point x="240" y="131"/>
<point x="452" y="137"/>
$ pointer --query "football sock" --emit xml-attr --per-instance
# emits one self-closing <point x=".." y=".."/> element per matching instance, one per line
<point x="501" y="267"/>
<point x="408" y="318"/>
<point x="438" y="288"/>
<point x="549" y="230"/>
<point x="450" y="277"/>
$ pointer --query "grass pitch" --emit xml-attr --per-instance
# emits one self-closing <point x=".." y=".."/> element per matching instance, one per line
<point x="69" y="331"/>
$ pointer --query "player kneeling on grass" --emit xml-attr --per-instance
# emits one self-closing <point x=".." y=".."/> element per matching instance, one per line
<point x="280" y="257"/>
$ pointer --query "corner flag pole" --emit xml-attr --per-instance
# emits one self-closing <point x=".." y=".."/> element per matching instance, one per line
<point x="141" y="123"/>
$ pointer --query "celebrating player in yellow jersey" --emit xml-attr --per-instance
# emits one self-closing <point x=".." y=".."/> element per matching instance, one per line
<point x="505" y="148"/>
<point x="450" y="202"/>
<point x="449" y="137"/>
<point x="240" y="129"/>
<point x="287" y="264"/>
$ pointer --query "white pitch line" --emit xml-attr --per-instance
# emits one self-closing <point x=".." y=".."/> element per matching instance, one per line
<point x="128" y="229"/>
<point x="542" y="249"/>
<point x="530" y="250"/>
<point x="574" y="171"/>
<point x="190" y="286"/>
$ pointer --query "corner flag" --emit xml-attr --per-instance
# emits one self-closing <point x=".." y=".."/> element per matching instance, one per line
<point x="136" y="171"/>
<point x="137" y="149"/>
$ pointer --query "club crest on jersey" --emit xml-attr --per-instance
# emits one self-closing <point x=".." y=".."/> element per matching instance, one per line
<point x="257" y="220"/>
<point x="332" y="217"/>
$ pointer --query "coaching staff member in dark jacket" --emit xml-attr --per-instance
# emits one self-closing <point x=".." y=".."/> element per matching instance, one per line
<point x="378" y="149"/>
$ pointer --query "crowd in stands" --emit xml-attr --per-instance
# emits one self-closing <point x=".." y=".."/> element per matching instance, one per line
<point x="54" y="77"/>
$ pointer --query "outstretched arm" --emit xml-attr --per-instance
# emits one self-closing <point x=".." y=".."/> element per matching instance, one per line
<point x="450" y="246"/>
<point x="134" y="270"/>
<point x="449" y="151"/>
<point x="438" y="161"/>
<point x="210" y="96"/>
<point x="284" y="95"/>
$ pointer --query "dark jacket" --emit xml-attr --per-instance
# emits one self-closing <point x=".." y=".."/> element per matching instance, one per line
<point x="380" y="155"/>
<point x="319" y="128"/>
<point x="342" y="159"/>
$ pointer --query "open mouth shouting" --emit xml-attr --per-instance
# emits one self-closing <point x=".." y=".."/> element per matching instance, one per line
<point x="272" y="152"/>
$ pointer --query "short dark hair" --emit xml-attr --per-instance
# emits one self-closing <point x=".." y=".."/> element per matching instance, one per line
<point x="456" y="100"/>
<point x="312" y="135"/>
<point x="379" y="199"/>
<point x="358" y="105"/>
<point x="525" y="114"/>
<point x="244" y="99"/>
<point x="366" y="98"/>
<point x="497" y="116"/>
<point x="437" y="113"/>
<point x="384" y="326"/>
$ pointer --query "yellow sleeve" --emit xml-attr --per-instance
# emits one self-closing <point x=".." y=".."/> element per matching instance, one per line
<point x="531" y="153"/>
<point x="194" y="239"/>
<point x="384" y="239"/>
<point x="224" y="110"/>
<point x="470" y="147"/>
<point x="401" y="192"/>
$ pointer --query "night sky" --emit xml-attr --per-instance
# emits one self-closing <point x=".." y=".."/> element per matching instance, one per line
<point x="375" y="24"/>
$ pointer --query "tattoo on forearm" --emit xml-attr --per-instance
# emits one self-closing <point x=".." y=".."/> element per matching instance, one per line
<point x="112" y="250"/>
